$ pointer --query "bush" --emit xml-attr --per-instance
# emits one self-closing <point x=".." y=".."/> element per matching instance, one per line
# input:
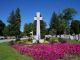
<point x="12" y="42"/>
<point x="47" y="39"/>
<point x="62" y="40"/>
<point x="73" y="41"/>
<point x="53" y="40"/>
<point x="18" y="39"/>
<point x="30" y="39"/>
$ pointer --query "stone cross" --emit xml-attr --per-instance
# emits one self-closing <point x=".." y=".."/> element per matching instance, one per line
<point x="38" y="18"/>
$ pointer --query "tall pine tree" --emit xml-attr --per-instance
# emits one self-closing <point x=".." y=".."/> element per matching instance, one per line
<point x="6" y="31"/>
<point x="43" y="28"/>
<point x="18" y="21"/>
<point x="14" y="21"/>
<point x="62" y="24"/>
<point x="75" y="27"/>
<point x="2" y="25"/>
<point x="28" y="28"/>
<point x="11" y="21"/>
<point x="68" y="15"/>
<point x="54" y="24"/>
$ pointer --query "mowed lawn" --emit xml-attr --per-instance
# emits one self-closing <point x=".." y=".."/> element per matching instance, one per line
<point x="8" y="53"/>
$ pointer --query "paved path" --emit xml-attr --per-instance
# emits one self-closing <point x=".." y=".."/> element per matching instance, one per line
<point x="6" y="40"/>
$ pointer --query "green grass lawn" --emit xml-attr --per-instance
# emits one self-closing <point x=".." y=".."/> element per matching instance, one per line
<point x="73" y="41"/>
<point x="8" y="53"/>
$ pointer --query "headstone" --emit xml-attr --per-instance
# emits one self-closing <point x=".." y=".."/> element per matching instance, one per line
<point x="58" y="36"/>
<point x="79" y="36"/>
<point x="67" y="36"/>
<point x="71" y="37"/>
<point x="54" y="36"/>
<point x="2" y="37"/>
<point x="34" y="41"/>
<point x="41" y="40"/>
<point x="62" y="36"/>
<point x="48" y="36"/>
<point x="76" y="37"/>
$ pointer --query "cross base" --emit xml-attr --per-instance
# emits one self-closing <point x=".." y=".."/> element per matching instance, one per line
<point x="38" y="41"/>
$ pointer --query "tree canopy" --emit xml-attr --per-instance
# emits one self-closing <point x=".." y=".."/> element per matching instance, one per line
<point x="60" y="23"/>
<point x="28" y="28"/>
<point x="14" y="21"/>
<point x="2" y="25"/>
<point x="75" y="27"/>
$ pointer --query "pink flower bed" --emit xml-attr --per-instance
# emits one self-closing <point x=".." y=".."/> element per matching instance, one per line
<point x="48" y="51"/>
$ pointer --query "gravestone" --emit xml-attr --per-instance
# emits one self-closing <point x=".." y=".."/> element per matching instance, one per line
<point x="79" y="36"/>
<point x="58" y="36"/>
<point x="62" y="36"/>
<point x="71" y="37"/>
<point x="76" y="37"/>
<point x="67" y="36"/>
<point x="54" y="36"/>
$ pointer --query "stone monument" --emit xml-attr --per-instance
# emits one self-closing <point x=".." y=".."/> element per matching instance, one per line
<point x="38" y="35"/>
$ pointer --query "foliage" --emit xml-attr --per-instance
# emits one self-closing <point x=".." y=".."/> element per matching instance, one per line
<point x="68" y="15"/>
<point x="62" y="40"/>
<point x="53" y="40"/>
<point x="34" y="27"/>
<point x="22" y="34"/>
<point x="54" y="23"/>
<point x="11" y="21"/>
<point x="73" y="41"/>
<point x="75" y="26"/>
<point x="28" y="28"/>
<point x="47" y="39"/>
<point x="2" y="25"/>
<point x="14" y="21"/>
<point x="18" y="39"/>
<point x="43" y="28"/>
<point x="62" y="24"/>
<point x="47" y="30"/>
<point x="6" y="31"/>
<point x="30" y="39"/>
<point x="18" y="21"/>
<point x="12" y="42"/>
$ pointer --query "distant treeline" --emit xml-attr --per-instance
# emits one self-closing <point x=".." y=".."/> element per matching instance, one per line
<point x="60" y="23"/>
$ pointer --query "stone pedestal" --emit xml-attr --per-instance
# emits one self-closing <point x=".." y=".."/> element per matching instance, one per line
<point x="34" y="41"/>
<point x="41" y="41"/>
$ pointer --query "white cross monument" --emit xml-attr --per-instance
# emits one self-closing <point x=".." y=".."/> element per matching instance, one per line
<point x="38" y="18"/>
